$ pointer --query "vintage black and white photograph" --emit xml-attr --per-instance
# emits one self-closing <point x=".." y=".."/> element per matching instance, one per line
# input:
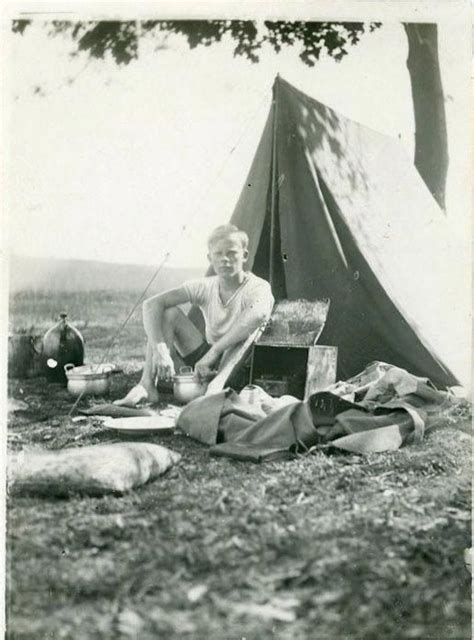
<point x="238" y="306"/>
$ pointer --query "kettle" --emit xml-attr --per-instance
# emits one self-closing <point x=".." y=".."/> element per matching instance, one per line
<point x="62" y="344"/>
<point x="187" y="385"/>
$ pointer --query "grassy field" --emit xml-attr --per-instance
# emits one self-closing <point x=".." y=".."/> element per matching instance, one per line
<point x="320" y="547"/>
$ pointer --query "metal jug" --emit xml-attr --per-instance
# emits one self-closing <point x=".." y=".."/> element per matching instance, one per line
<point x="62" y="344"/>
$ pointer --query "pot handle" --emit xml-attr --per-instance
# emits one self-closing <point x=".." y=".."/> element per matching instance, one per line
<point x="68" y="367"/>
<point x="186" y="369"/>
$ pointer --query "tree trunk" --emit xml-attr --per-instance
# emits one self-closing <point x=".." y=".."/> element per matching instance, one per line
<point x="431" y="139"/>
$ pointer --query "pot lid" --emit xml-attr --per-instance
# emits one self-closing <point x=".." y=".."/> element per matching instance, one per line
<point x="89" y="370"/>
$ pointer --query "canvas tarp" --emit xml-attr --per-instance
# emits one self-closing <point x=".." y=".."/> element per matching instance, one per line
<point x="353" y="221"/>
<point x="394" y="409"/>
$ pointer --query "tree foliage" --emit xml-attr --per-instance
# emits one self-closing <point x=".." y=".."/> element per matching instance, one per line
<point x="122" y="39"/>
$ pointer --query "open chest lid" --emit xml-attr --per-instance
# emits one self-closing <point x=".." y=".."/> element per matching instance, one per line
<point x="295" y="323"/>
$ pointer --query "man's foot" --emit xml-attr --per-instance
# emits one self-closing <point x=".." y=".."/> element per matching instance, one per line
<point x="136" y="395"/>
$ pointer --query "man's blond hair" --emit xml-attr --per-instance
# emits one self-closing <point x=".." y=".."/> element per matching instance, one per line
<point x="224" y="231"/>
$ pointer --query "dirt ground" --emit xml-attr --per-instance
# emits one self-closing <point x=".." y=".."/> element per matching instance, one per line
<point x="325" y="546"/>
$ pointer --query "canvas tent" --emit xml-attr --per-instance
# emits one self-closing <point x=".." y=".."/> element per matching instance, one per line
<point x="336" y="210"/>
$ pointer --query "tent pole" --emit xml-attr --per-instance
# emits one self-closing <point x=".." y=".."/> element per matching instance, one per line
<point x="273" y="184"/>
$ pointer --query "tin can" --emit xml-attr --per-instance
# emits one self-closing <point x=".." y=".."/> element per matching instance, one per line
<point x="250" y="394"/>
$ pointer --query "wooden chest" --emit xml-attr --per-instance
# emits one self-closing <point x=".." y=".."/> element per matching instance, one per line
<point x="285" y="358"/>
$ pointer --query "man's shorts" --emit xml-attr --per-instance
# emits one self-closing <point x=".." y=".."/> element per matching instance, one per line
<point x="197" y="354"/>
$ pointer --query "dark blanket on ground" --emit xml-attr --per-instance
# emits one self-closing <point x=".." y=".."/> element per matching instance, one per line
<point x="397" y="415"/>
<point x="116" y="411"/>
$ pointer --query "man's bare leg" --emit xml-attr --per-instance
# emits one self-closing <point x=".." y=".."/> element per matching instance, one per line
<point x="182" y="337"/>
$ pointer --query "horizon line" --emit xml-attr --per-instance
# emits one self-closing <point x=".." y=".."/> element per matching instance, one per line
<point x="169" y="264"/>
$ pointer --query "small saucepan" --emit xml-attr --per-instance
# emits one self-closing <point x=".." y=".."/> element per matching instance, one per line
<point x="188" y="385"/>
<point x="92" y="380"/>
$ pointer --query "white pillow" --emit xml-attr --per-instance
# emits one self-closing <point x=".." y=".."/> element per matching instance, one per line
<point x="94" y="469"/>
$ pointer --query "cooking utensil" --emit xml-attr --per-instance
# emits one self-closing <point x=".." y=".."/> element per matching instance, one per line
<point x="188" y="385"/>
<point x="88" y="380"/>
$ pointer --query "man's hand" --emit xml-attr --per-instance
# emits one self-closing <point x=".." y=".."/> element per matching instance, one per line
<point x="206" y="366"/>
<point x="163" y="366"/>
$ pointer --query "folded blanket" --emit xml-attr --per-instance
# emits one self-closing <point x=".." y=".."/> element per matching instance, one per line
<point x="384" y="424"/>
<point x="249" y="453"/>
<point x="115" y="411"/>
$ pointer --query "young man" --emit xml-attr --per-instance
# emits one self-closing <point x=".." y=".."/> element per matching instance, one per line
<point x="234" y="304"/>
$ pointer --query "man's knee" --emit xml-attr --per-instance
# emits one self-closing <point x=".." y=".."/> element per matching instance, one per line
<point x="171" y="315"/>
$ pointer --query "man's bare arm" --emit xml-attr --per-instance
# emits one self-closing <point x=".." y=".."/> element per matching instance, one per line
<point x="246" y="325"/>
<point x="248" y="322"/>
<point x="153" y="310"/>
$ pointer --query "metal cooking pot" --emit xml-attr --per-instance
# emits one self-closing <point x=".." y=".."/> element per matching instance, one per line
<point x="93" y="380"/>
<point x="187" y="385"/>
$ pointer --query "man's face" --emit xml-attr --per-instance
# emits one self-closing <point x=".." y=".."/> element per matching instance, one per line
<point x="227" y="257"/>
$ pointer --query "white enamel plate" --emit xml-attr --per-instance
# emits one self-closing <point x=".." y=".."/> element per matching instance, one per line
<point x="146" y="425"/>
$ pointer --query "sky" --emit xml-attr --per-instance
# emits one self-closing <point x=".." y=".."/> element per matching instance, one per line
<point x="128" y="164"/>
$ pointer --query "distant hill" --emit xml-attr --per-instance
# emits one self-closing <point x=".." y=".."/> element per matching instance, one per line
<point x="45" y="274"/>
